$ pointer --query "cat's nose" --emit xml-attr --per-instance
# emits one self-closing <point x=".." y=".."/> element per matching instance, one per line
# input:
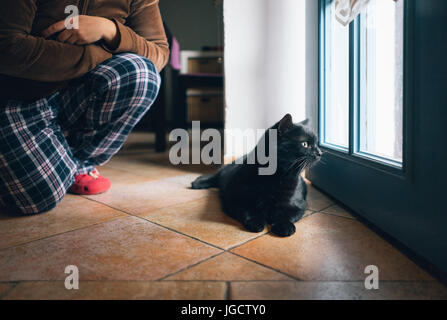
<point x="319" y="152"/>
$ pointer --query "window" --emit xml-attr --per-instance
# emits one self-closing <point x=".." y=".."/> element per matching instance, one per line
<point x="336" y="109"/>
<point x="391" y="172"/>
<point x="361" y="109"/>
<point x="381" y="44"/>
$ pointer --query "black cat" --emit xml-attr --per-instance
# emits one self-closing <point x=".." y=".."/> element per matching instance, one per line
<point x="279" y="199"/>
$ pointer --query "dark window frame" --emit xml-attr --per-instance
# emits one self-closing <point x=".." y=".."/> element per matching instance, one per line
<point x="401" y="170"/>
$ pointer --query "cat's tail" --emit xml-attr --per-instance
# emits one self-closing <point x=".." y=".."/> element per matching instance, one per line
<point x="205" y="182"/>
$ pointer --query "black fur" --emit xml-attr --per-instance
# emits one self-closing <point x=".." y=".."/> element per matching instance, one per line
<point x="279" y="199"/>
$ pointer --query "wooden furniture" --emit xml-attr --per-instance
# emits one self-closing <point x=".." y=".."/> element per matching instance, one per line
<point x="187" y="81"/>
<point x="205" y="105"/>
<point x="208" y="75"/>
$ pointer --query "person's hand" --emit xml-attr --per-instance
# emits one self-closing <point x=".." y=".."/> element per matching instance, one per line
<point x="91" y="29"/>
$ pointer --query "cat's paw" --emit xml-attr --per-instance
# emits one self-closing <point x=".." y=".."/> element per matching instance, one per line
<point x="283" y="229"/>
<point x="254" y="225"/>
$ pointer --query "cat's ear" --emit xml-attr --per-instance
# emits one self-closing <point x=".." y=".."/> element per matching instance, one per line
<point x="285" y="124"/>
<point x="304" y="122"/>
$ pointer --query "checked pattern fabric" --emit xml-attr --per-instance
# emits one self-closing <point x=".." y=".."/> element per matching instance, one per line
<point x="45" y="143"/>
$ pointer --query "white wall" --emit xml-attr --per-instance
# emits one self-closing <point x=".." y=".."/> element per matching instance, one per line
<point x="245" y="63"/>
<point x="267" y="62"/>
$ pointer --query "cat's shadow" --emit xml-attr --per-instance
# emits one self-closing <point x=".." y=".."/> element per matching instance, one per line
<point x="9" y="213"/>
<point x="212" y="211"/>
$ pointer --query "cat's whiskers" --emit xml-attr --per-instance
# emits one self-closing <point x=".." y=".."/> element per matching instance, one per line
<point x="292" y="165"/>
<point x="298" y="165"/>
<point x="307" y="163"/>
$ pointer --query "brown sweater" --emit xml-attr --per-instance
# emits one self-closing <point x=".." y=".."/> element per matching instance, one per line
<point x="32" y="67"/>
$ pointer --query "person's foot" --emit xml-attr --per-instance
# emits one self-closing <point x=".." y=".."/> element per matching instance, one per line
<point x="90" y="183"/>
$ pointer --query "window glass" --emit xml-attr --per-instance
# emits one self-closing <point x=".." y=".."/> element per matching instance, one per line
<point x="381" y="80"/>
<point x="336" y="107"/>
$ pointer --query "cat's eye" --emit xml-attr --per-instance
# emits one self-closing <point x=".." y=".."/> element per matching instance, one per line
<point x="305" y="144"/>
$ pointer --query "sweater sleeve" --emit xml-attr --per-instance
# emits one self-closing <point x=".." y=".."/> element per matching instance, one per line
<point x="30" y="57"/>
<point x="143" y="33"/>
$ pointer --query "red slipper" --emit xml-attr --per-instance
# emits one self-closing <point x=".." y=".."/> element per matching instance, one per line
<point x="90" y="183"/>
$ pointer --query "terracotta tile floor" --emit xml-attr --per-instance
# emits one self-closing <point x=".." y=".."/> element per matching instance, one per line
<point x="150" y="237"/>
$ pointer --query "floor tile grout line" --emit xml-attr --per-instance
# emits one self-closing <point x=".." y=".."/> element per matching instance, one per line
<point x="150" y="179"/>
<point x="113" y="218"/>
<point x="130" y="171"/>
<point x="277" y="270"/>
<point x="309" y="215"/>
<point x="288" y="280"/>
<point x="266" y="266"/>
<point x="108" y="206"/>
<point x="359" y="219"/>
<point x="18" y="282"/>
<point x="179" y="175"/>
<point x="165" y="227"/>
<point x="224" y="251"/>
<point x="263" y="234"/>
<point x="339" y="216"/>
<point x="189" y="267"/>
<point x="321" y="210"/>
<point x="235" y="280"/>
<point x="192" y="237"/>
<point x="308" y="281"/>
<point x="181" y="233"/>
<point x="84" y="227"/>
<point x="152" y="165"/>
<point x="151" y="211"/>
<point x="61" y="233"/>
<point x="351" y="219"/>
<point x="14" y="284"/>
<point x="246" y="241"/>
<point x="220" y="253"/>
<point x="227" y="290"/>
<point x="385" y="237"/>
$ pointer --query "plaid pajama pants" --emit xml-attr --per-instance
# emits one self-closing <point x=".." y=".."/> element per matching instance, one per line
<point x="44" y="144"/>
